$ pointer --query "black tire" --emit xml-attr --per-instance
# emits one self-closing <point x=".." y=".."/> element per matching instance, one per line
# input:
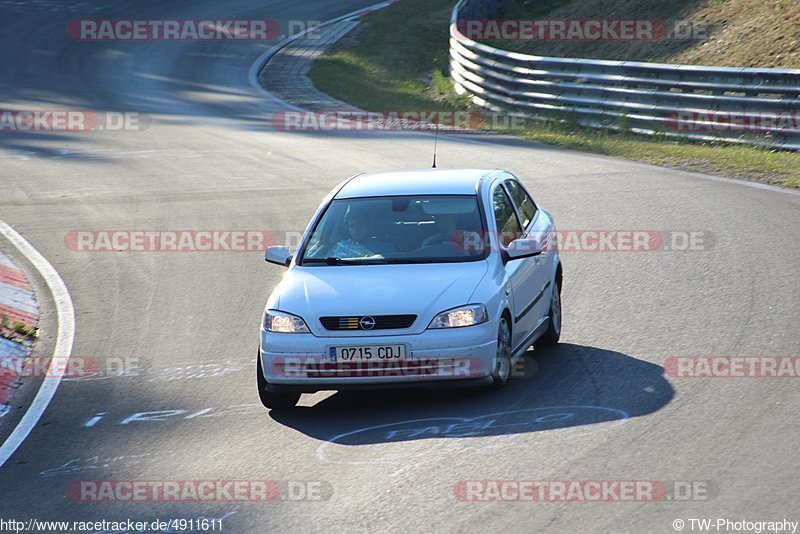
<point x="270" y="399"/>
<point x="502" y="365"/>
<point x="553" y="333"/>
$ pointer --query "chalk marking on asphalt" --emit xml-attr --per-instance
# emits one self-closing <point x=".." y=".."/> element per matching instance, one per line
<point x="486" y="420"/>
<point x="65" y="337"/>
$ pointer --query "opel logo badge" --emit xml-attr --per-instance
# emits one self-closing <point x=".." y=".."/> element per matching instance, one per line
<point x="366" y="323"/>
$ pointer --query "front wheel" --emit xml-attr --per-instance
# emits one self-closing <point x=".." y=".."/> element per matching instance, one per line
<point x="502" y="365"/>
<point x="553" y="333"/>
<point x="269" y="399"/>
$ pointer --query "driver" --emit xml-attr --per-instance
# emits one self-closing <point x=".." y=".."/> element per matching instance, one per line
<point x="446" y="225"/>
<point x="359" y="243"/>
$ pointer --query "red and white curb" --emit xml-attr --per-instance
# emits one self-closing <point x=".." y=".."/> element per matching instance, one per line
<point x="65" y="337"/>
<point x="18" y="306"/>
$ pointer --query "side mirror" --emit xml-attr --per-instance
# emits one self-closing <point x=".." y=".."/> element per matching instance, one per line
<point x="522" y="248"/>
<point x="278" y="255"/>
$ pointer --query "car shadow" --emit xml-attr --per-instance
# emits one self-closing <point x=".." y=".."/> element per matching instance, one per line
<point x="560" y="387"/>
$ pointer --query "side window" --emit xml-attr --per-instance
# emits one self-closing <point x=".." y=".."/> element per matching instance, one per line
<point x="524" y="203"/>
<point x="505" y="217"/>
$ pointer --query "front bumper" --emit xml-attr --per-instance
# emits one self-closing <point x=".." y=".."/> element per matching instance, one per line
<point x="457" y="357"/>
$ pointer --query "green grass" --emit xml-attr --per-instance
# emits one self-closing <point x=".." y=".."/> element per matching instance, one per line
<point x="397" y="59"/>
<point x="759" y="164"/>
<point x="392" y="66"/>
<point x="26" y="331"/>
<point x="18" y="332"/>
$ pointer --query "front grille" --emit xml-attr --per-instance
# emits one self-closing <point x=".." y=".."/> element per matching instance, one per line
<point x="362" y="322"/>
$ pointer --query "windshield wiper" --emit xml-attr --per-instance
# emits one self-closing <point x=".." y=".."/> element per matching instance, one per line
<point x="380" y="261"/>
<point x="334" y="261"/>
<point x="425" y="260"/>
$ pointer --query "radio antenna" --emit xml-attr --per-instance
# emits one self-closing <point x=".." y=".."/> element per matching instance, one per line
<point x="435" y="139"/>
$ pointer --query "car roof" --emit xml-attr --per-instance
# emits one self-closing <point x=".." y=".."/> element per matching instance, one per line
<point x="414" y="182"/>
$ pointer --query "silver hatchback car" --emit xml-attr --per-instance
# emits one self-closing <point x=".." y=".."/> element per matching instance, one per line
<point x="421" y="278"/>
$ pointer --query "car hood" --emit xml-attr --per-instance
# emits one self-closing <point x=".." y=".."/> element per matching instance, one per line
<point x="346" y="290"/>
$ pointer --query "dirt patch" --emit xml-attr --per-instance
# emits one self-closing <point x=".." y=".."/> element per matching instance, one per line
<point x="738" y="33"/>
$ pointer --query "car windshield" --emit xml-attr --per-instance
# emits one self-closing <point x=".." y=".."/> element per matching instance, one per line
<point x="397" y="229"/>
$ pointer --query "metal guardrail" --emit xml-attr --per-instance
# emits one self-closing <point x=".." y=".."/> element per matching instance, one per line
<point x="688" y="101"/>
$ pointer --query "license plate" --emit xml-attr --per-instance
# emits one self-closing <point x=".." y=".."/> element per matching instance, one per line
<point x="368" y="353"/>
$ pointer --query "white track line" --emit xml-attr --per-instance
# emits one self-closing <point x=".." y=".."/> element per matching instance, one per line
<point x="64" y="339"/>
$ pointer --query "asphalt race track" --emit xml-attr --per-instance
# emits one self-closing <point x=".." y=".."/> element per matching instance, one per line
<point x="598" y="407"/>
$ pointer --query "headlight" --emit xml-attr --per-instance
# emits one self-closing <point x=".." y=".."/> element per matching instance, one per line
<point x="458" y="317"/>
<point x="285" y="323"/>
